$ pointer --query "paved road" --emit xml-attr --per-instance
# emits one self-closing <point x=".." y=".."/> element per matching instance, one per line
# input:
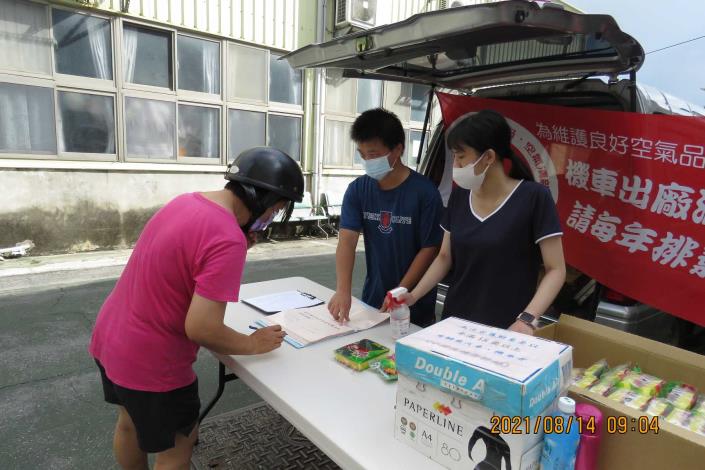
<point x="52" y="415"/>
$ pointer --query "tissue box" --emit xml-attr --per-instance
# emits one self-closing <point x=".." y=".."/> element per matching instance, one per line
<point x="511" y="373"/>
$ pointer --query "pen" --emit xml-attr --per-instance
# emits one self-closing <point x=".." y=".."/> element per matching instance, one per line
<point x="253" y="327"/>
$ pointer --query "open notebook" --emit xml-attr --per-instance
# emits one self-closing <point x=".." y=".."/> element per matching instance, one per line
<point x="305" y="326"/>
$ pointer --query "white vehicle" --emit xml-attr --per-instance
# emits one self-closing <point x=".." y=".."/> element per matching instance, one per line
<point x="518" y="51"/>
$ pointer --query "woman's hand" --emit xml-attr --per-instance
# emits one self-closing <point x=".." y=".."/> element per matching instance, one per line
<point x="521" y="327"/>
<point x="409" y="299"/>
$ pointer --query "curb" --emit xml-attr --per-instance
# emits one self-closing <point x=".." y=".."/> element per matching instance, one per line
<point x="72" y="270"/>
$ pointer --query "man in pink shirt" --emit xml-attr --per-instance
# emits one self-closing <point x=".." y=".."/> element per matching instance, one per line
<point x="170" y="300"/>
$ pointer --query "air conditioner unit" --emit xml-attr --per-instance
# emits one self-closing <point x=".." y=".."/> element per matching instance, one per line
<point x="358" y="13"/>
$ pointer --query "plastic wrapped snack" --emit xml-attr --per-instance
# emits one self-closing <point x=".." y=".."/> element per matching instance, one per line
<point x="610" y="378"/>
<point x="359" y="355"/>
<point x="699" y="407"/>
<point x="697" y="424"/>
<point x="386" y="367"/>
<point x="597" y="369"/>
<point x="659" y="407"/>
<point x="585" y="381"/>
<point x="604" y="385"/>
<point x="629" y="398"/>
<point x="642" y="383"/>
<point x="679" y="417"/>
<point x="576" y="374"/>
<point x="680" y="395"/>
<point x="621" y="371"/>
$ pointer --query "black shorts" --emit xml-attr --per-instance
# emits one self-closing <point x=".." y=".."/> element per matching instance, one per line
<point x="157" y="416"/>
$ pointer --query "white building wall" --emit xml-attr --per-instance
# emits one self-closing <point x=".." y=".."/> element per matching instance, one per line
<point x="272" y="23"/>
<point x="65" y="202"/>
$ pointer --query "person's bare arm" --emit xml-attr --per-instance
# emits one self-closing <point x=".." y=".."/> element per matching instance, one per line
<point x="550" y="285"/>
<point x="423" y="260"/>
<point x="339" y="304"/>
<point x="204" y="326"/>
<point x="435" y="273"/>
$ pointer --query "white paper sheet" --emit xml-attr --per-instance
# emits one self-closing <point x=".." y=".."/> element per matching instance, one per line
<point x="281" y="301"/>
<point x="312" y="324"/>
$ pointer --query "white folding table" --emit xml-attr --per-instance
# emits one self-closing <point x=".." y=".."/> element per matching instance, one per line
<point x="348" y="414"/>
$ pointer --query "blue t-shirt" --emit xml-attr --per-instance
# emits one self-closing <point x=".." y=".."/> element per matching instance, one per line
<point x="496" y="259"/>
<point x="396" y="225"/>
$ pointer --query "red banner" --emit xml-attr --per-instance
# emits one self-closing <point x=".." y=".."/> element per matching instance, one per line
<point x="630" y="190"/>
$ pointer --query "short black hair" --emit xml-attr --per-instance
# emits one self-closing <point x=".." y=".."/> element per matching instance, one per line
<point x="484" y="130"/>
<point x="379" y="124"/>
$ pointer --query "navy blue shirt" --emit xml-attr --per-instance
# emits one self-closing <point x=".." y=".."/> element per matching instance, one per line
<point x="396" y="225"/>
<point x="496" y="259"/>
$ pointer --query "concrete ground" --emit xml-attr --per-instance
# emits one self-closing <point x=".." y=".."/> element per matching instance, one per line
<point x="52" y="415"/>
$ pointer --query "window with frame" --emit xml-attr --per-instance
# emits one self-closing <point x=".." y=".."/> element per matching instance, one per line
<point x="251" y="86"/>
<point x="183" y="124"/>
<point x="199" y="131"/>
<point x="264" y="104"/>
<point x="198" y="64"/>
<point x="147" y="56"/>
<point x="407" y="101"/>
<point x="82" y="45"/>
<point x="285" y="83"/>
<point x="86" y="122"/>
<point x="42" y="116"/>
<point x="25" y="39"/>
<point x="369" y="94"/>
<point x="58" y="81"/>
<point x="246" y="129"/>
<point x="419" y="102"/>
<point x="150" y="128"/>
<point x="414" y="142"/>
<point x="27" y="120"/>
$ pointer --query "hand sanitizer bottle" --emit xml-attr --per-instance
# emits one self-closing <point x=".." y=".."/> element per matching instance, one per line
<point x="399" y="314"/>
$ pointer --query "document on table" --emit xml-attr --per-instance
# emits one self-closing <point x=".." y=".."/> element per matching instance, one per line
<point x="279" y="301"/>
<point x="305" y="326"/>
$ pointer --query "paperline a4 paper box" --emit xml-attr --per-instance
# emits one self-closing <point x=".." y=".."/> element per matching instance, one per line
<point x="511" y="373"/>
<point x="461" y="434"/>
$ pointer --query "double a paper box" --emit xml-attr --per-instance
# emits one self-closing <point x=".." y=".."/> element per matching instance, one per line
<point x="461" y="435"/>
<point x="511" y="373"/>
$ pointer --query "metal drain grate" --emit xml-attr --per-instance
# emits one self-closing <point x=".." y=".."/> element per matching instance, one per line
<point x="255" y="437"/>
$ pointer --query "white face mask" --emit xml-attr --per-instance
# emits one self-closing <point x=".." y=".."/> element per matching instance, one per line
<point x="379" y="167"/>
<point x="466" y="178"/>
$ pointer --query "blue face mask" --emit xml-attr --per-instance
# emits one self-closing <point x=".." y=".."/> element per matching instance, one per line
<point x="377" y="168"/>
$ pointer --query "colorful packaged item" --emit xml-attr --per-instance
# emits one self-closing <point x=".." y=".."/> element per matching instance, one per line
<point x="629" y="398"/>
<point x="642" y="383"/>
<point x="604" y="385"/>
<point x="576" y="374"/>
<point x="679" y="417"/>
<point x="386" y="367"/>
<point x="699" y="407"/>
<point x="359" y="355"/>
<point x="584" y="381"/>
<point x="621" y="371"/>
<point x="610" y="378"/>
<point x="680" y="395"/>
<point x="659" y="407"/>
<point x="597" y="369"/>
<point x="697" y="424"/>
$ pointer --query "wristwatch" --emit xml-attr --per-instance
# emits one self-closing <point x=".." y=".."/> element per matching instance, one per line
<point x="529" y="319"/>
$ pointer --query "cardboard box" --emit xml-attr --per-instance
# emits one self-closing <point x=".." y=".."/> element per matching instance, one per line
<point x="511" y="373"/>
<point x="672" y="447"/>
<point x="457" y="433"/>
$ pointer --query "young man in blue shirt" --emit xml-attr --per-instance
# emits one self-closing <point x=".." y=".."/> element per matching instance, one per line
<point x="397" y="210"/>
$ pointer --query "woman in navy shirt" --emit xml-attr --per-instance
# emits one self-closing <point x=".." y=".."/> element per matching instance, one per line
<point x="499" y="231"/>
